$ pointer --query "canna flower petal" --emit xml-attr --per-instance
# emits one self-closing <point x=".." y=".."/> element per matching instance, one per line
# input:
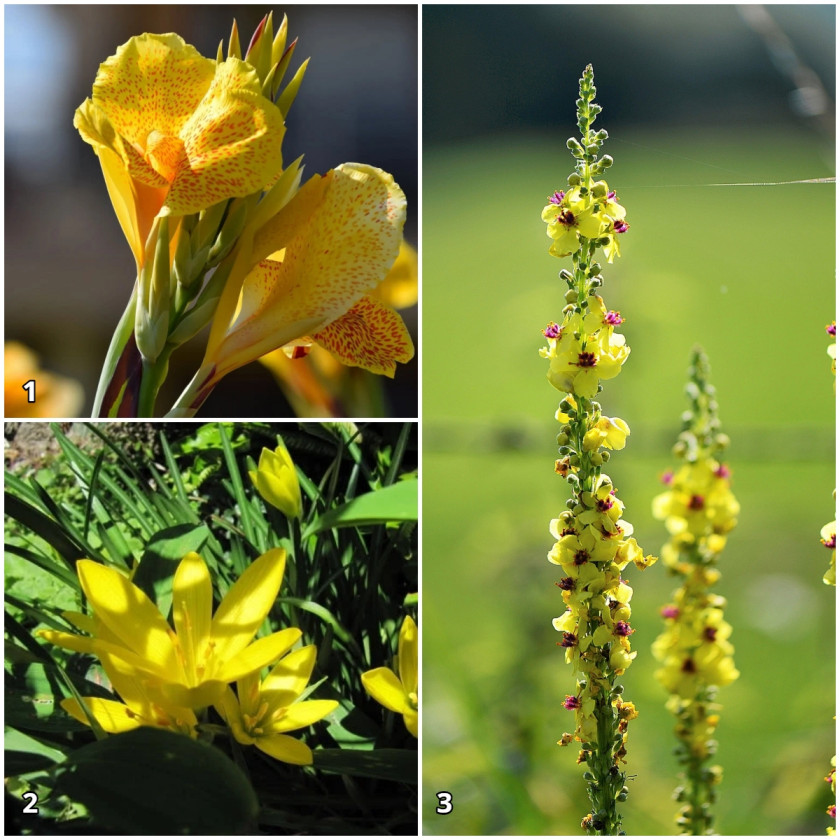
<point x="369" y="335"/>
<point x="332" y="243"/>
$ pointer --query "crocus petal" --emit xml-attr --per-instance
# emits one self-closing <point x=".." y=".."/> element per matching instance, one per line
<point x="303" y="714"/>
<point x="192" y="609"/>
<point x="285" y="748"/>
<point x="128" y="613"/>
<point x="289" y="677"/>
<point x="369" y="335"/>
<point x="229" y="709"/>
<point x="257" y="655"/>
<point x="411" y="719"/>
<point x="383" y="685"/>
<point x="68" y="641"/>
<point x="247" y="603"/>
<point x="112" y="716"/>
<point x="407" y="655"/>
<point x="339" y="237"/>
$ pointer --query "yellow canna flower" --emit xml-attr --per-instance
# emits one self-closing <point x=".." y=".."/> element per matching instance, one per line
<point x="277" y="482"/>
<point x="307" y="277"/>
<point x="316" y="383"/>
<point x="190" y="666"/>
<point x="399" y="692"/>
<point x="55" y="396"/>
<point x="262" y="712"/>
<point x="176" y="132"/>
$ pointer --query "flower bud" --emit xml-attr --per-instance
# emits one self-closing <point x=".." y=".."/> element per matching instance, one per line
<point x="573" y="180"/>
<point x="574" y="147"/>
<point x="571" y="296"/>
<point x="566" y="275"/>
<point x="276" y="481"/>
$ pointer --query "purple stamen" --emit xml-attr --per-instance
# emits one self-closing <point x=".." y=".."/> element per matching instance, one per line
<point x="613" y="318"/>
<point x="622" y="628"/>
<point x="552" y="330"/>
<point x="558" y="196"/>
<point x="670" y="612"/>
<point x="620" y="226"/>
<point x="571" y="702"/>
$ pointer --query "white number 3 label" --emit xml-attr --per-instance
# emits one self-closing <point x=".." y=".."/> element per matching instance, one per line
<point x="31" y="798"/>
<point x="445" y="802"/>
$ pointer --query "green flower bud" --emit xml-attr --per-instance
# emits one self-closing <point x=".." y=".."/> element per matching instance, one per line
<point x="605" y="456"/>
<point x="602" y="135"/>
<point x="567" y="275"/>
<point x="599" y="190"/>
<point x="571" y="296"/>
<point x="573" y="180"/>
<point x="574" y="147"/>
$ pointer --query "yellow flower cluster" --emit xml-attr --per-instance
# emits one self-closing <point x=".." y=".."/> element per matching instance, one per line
<point x="166" y="675"/>
<point x="699" y="511"/>
<point x="592" y="212"/>
<point x="584" y="348"/>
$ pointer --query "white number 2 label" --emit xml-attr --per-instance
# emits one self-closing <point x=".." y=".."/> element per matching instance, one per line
<point x="445" y="802"/>
<point x="29" y="387"/>
<point x="30" y="796"/>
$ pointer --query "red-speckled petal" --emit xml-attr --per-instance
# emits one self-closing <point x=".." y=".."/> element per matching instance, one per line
<point x="370" y="335"/>
<point x="154" y="82"/>
<point x="339" y="236"/>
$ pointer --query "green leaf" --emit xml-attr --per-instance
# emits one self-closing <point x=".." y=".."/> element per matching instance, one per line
<point x="394" y="765"/>
<point x="396" y="503"/>
<point x="164" y="552"/>
<point x="151" y="781"/>
<point x="18" y="763"/>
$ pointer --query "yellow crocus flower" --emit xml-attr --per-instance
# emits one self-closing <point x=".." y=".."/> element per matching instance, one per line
<point x="399" y="692"/>
<point x="189" y="666"/>
<point x="276" y="481"/>
<point x="262" y="712"/>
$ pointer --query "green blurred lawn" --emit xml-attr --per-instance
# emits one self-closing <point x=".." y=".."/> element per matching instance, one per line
<point x="748" y="272"/>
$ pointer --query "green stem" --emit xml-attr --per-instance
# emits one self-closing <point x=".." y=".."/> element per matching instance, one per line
<point x="608" y="781"/>
<point x="154" y="374"/>
<point x="119" y="339"/>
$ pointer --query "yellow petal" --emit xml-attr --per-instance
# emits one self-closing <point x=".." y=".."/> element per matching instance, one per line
<point x="407" y="655"/>
<point x="399" y="288"/>
<point x="411" y="721"/>
<point x="230" y="710"/>
<point x="247" y="603"/>
<point x="112" y="716"/>
<point x="192" y="609"/>
<point x="383" y="685"/>
<point x="341" y="235"/>
<point x="369" y="335"/>
<point x="68" y="641"/>
<point x="129" y="614"/>
<point x="152" y="82"/>
<point x="289" y="677"/>
<point x="285" y="748"/>
<point x="303" y="714"/>
<point x="257" y="655"/>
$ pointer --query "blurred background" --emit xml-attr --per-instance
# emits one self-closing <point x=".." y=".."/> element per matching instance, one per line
<point x="68" y="269"/>
<point x="692" y="96"/>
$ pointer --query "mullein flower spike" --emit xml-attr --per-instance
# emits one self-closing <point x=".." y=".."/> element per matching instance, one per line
<point x="594" y="545"/>
<point x="699" y="510"/>
<point x="828" y="537"/>
<point x="222" y="231"/>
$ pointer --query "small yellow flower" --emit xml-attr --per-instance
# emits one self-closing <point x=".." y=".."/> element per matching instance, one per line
<point x="399" y="692"/>
<point x="262" y="712"/>
<point x="277" y="482"/>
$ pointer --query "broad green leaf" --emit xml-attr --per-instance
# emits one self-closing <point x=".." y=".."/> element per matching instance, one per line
<point x="396" y="503"/>
<point x="151" y="781"/>
<point x="394" y="765"/>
